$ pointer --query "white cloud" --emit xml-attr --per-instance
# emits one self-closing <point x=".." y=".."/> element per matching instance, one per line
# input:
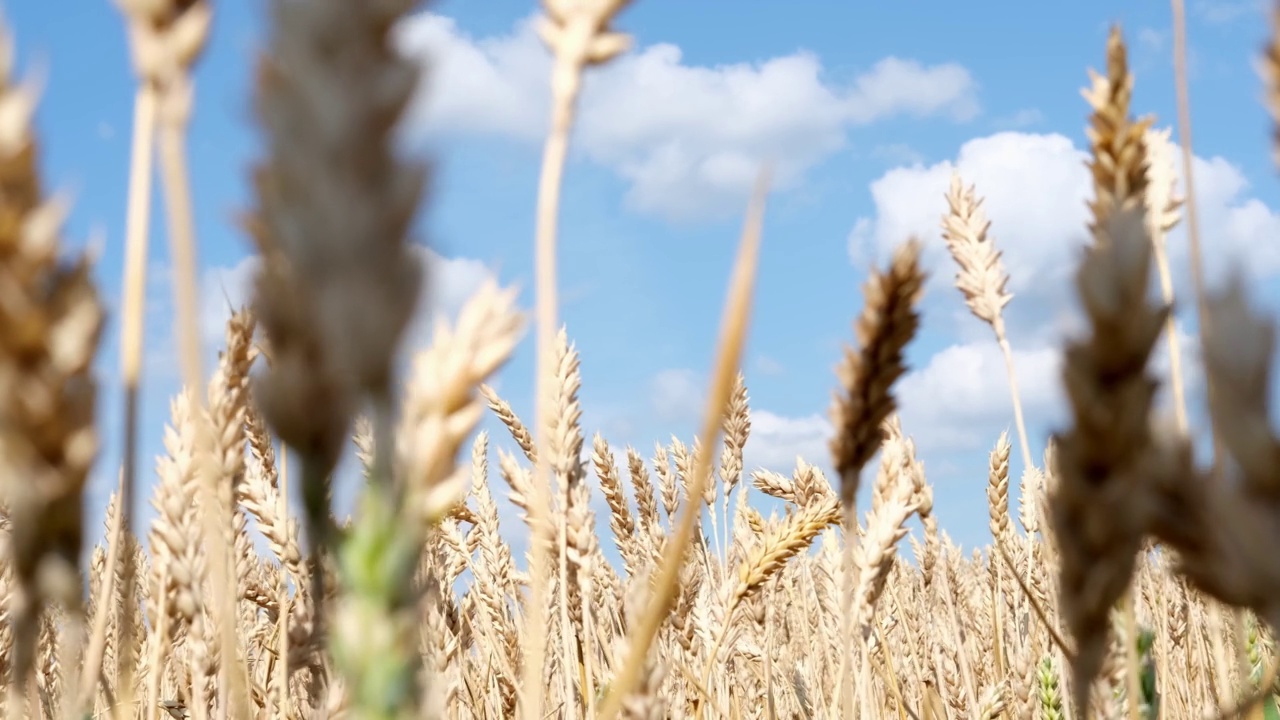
<point x="960" y="400"/>
<point x="1035" y="188"/>
<point x="689" y="139"/>
<point x="492" y="85"/>
<point x="777" y="440"/>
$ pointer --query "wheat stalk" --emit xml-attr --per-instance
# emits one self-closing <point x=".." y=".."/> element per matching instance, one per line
<point x="579" y="35"/>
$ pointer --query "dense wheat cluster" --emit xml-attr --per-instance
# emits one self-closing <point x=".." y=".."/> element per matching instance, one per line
<point x="1129" y="579"/>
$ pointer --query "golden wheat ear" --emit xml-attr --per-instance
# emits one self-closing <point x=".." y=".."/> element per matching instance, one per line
<point x="339" y="280"/>
<point x="50" y="323"/>
<point x="888" y="322"/>
<point x="864" y="401"/>
<point x="1108" y="384"/>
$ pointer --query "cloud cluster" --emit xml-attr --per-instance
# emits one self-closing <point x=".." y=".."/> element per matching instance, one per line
<point x="1035" y="188"/>
<point x="688" y="139"/>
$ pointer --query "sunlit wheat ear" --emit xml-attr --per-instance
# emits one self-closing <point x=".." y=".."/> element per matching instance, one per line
<point x="865" y="399"/>
<point x="1107" y="383"/>
<point x="982" y="277"/>
<point x="982" y="281"/>
<point x="1110" y="392"/>
<point x="903" y="495"/>
<point x="563" y="449"/>
<point x="998" y="491"/>
<point x="175" y="533"/>
<point x="519" y="431"/>
<point x="768" y="557"/>
<point x="339" y="279"/>
<point x="892" y="448"/>
<point x="621" y="520"/>
<point x="228" y="398"/>
<point x="442" y="403"/>
<point x="737" y="428"/>
<point x="50" y="322"/>
<point x="1119" y="159"/>
<point x="888" y="322"/>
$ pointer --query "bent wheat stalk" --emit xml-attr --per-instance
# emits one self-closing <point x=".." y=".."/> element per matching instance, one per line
<point x="733" y="331"/>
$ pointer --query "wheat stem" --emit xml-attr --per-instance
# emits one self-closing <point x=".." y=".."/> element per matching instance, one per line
<point x="132" y="331"/>
<point x="728" y="357"/>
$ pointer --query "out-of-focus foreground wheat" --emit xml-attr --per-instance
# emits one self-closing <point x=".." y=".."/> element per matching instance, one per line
<point x="1131" y="580"/>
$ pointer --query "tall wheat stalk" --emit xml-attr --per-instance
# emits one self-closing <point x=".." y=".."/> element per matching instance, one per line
<point x="579" y="35"/>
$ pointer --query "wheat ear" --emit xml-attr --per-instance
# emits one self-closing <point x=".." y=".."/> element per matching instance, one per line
<point x="982" y="280"/>
<point x="50" y="324"/>
<point x="1108" y="385"/>
<point x="339" y="280"/>
<point x="888" y="322"/>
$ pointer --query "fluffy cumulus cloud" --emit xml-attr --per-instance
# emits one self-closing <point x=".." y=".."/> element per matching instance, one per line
<point x="1035" y="188"/>
<point x="777" y="440"/>
<point x="957" y="399"/>
<point x="688" y="139"/>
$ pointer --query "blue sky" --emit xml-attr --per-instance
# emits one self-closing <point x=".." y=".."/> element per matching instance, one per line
<point x="866" y="108"/>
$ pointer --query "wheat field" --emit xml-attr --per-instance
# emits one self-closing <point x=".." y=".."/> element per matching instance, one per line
<point x="1132" y="579"/>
